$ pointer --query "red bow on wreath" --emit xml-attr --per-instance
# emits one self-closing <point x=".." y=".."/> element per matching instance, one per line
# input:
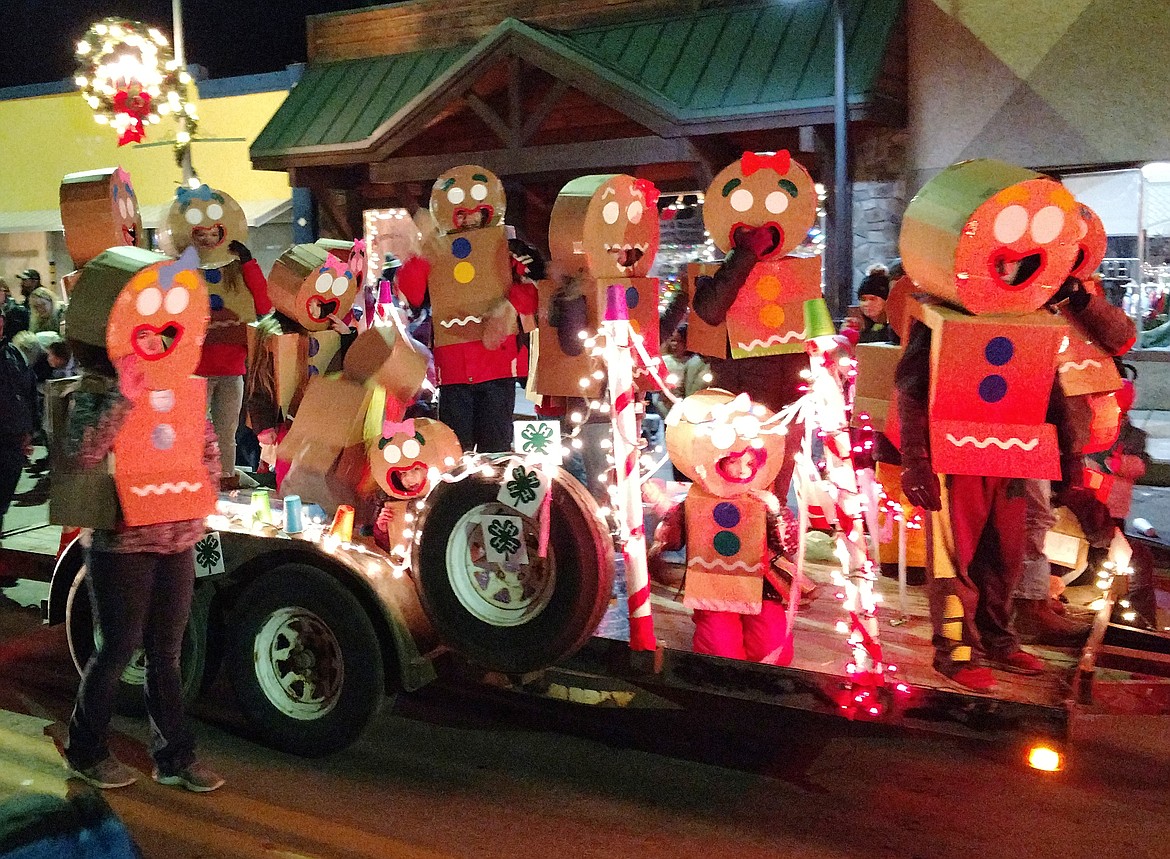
<point x="780" y="162"/>
<point x="135" y="106"/>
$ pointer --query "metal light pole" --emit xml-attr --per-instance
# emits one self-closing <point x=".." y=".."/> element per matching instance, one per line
<point x="181" y="58"/>
<point x="841" y="234"/>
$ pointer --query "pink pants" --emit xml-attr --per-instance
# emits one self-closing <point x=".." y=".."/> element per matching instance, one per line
<point x="756" y="637"/>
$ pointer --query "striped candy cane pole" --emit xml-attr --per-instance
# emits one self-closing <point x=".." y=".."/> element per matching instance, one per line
<point x="627" y="499"/>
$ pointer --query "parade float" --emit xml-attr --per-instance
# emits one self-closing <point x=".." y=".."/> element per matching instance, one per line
<point x="394" y="558"/>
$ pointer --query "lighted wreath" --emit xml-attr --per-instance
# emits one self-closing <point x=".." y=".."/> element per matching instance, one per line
<point x="129" y="77"/>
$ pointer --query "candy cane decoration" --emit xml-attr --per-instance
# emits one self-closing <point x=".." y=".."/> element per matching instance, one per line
<point x="627" y="489"/>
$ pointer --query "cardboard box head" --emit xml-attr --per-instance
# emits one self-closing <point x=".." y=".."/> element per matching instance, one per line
<point x="407" y="454"/>
<point x="606" y="224"/>
<point x="161" y="316"/>
<point x="308" y="284"/>
<point x="725" y="443"/>
<point x="207" y="219"/>
<point x="467" y="198"/>
<point x="761" y="191"/>
<point x="385" y="356"/>
<point x="99" y="210"/>
<point x="990" y="237"/>
<point x="98" y="285"/>
<point x="1092" y="244"/>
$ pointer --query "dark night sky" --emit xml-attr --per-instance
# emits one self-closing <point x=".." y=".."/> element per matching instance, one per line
<point x="228" y="37"/>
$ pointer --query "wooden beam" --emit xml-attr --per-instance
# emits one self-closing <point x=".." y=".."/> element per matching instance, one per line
<point x="540" y="114"/>
<point x="569" y="157"/>
<point x="493" y="120"/>
<point x="515" y="108"/>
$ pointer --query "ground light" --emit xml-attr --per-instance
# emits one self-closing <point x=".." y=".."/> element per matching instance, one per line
<point x="1045" y="758"/>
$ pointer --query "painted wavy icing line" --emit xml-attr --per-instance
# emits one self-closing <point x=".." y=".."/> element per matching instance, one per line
<point x="723" y="565"/>
<point x="774" y="340"/>
<point x="164" y="488"/>
<point x="450" y="323"/>
<point x="1068" y="366"/>
<point x="987" y="442"/>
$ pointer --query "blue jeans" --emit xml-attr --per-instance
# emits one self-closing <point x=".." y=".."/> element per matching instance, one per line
<point x="140" y="599"/>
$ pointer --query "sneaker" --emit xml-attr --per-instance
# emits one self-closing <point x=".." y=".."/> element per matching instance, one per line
<point x="106" y="774"/>
<point x="1020" y="662"/>
<point x="195" y="777"/>
<point x="973" y="678"/>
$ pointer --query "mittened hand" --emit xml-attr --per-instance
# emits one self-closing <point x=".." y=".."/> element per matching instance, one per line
<point x="240" y="250"/>
<point x="921" y="487"/>
<point x="131" y="379"/>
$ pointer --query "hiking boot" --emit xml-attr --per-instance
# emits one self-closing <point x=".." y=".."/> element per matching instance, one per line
<point x="195" y="777"/>
<point x="1037" y="623"/>
<point x="1020" y="662"/>
<point x="974" y="678"/>
<point x="106" y="774"/>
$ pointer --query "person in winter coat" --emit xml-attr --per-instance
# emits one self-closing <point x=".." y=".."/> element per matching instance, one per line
<point x="18" y="396"/>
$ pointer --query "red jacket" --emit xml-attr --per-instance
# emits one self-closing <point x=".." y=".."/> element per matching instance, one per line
<point x="469" y="363"/>
<point x="226" y="359"/>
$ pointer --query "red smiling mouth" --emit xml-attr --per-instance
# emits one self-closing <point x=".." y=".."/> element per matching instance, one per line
<point x="208" y="237"/>
<point x="170" y="334"/>
<point x="320" y="309"/>
<point x="471" y="219"/>
<point x="771" y="226"/>
<point x="408" y="482"/>
<point x="740" y="467"/>
<point x="130" y="234"/>
<point x="1029" y="265"/>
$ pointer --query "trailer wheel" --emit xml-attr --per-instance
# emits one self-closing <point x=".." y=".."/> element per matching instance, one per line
<point x="304" y="660"/>
<point x="515" y="617"/>
<point x="130" y="700"/>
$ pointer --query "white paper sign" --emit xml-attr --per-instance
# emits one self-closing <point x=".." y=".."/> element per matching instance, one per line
<point x="524" y="488"/>
<point x="208" y="555"/>
<point x="537" y="438"/>
<point x="503" y="539"/>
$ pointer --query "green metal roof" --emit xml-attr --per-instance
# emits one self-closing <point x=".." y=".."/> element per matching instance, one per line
<point x="717" y="64"/>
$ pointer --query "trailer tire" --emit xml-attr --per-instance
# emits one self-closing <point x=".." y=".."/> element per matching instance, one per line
<point x="304" y="661"/>
<point x="130" y="700"/>
<point x="533" y="616"/>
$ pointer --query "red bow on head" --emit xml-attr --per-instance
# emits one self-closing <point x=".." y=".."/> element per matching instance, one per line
<point x="780" y="162"/>
<point x="649" y="190"/>
<point x="393" y="428"/>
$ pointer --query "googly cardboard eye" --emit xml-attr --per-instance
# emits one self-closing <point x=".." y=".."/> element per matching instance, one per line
<point x="324" y="282"/>
<point x="149" y="301"/>
<point x="411" y="448"/>
<point x="776" y="202"/>
<point x="176" y="300"/>
<point x="741" y="199"/>
<point x="340" y="285"/>
<point x="723" y="436"/>
<point x="391" y="454"/>
<point x="479" y="191"/>
<point x="455" y="196"/>
<point x="634" y="211"/>
<point x="194" y="216"/>
<point x="611" y="211"/>
<point x="215" y="211"/>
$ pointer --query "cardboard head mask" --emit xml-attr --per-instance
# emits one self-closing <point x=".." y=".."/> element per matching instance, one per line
<point x="207" y="219"/>
<point x="99" y="210"/>
<point x="161" y="315"/>
<point x="467" y="198"/>
<point x="724" y="442"/>
<point x="402" y="459"/>
<point x="308" y="284"/>
<point x="990" y="237"/>
<point x="612" y="221"/>
<point x="770" y="191"/>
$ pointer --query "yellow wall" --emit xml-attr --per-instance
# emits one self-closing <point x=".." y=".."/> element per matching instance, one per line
<point x="46" y="137"/>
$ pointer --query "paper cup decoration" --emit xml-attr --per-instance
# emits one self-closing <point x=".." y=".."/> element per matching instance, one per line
<point x="401" y="460"/>
<point x="761" y="190"/>
<point x="99" y="210"/>
<point x="991" y="237"/>
<point x="308" y="284"/>
<point x="209" y="220"/>
<point x="1091" y="244"/>
<point x="161" y="316"/>
<point x="609" y="223"/>
<point x="467" y="198"/>
<point x="724" y="442"/>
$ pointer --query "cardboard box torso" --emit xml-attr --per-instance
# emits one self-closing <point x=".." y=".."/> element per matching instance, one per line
<point x="471" y="272"/>
<point x="727" y="551"/>
<point x="1083" y="366"/>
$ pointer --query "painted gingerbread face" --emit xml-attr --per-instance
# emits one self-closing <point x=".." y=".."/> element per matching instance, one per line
<point x="409" y="455"/>
<point x="1091" y="243"/>
<point x="329" y="290"/>
<point x="611" y="220"/>
<point x="207" y="220"/>
<point x="467" y="198"/>
<point x="161" y="316"/>
<point x="124" y="204"/>
<point x="771" y="191"/>
<point x="726" y="444"/>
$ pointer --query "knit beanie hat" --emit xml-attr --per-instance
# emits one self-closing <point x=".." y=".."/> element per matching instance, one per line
<point x="876" y="282"/>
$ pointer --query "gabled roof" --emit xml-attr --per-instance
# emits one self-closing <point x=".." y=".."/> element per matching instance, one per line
<point x="764" y="64"/>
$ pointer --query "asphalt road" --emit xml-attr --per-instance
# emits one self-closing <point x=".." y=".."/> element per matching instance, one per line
<point x="460" y="773"/>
